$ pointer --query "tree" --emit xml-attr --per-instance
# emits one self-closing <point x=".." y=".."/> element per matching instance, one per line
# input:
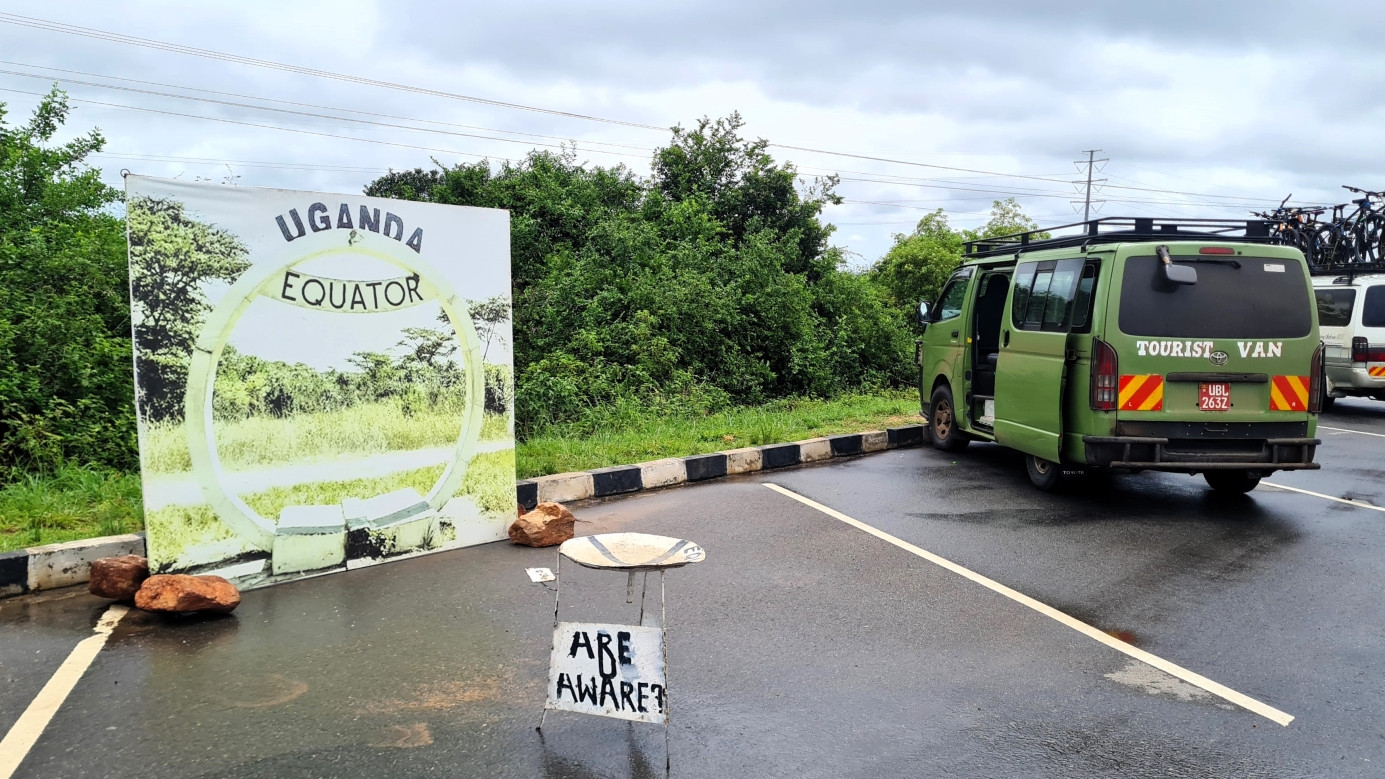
<point x="172" y="258"/>
<point x="915" y="268"/>
<point x="918" y="263"/>
<point x="710" y="283"/>
<point x="66" y="392"/>
<point x="744" y="189"/>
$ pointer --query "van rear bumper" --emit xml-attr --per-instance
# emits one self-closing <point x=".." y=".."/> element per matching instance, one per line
<point x="1148" y="453"/>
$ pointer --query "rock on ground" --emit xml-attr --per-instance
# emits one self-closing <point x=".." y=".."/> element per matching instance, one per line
<point x="118" y="577"/>
<point x="549" y="524"/>
<point x="177" y="593"/>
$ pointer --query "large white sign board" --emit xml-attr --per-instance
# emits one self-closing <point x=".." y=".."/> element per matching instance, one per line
<point x="609" y="670"/>
<point x="324" y="381"/>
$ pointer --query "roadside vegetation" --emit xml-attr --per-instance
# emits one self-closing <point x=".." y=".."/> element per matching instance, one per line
<point x="697" y="309"/>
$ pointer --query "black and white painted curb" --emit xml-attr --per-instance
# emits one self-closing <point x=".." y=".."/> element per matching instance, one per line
<point x="620" y="479"/>
<point x="63" y="565"/>
<point x="60" y="565"/>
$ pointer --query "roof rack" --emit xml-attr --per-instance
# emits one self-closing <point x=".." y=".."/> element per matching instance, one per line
<point x="1114" y="229"/>
<point x="1346" y="270"/>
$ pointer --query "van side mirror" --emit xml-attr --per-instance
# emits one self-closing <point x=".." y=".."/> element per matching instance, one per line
<point x="1180" y="274"/>
<point x="1175" y="274"/>
<point x="923" y="313"/>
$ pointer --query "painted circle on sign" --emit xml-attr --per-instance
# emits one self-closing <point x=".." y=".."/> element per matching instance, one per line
<point x="267" y="279"/>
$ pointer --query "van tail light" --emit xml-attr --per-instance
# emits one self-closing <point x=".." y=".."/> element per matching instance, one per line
<point x="1315" y="383"/>
<point x="1105" y="386"/>
<point x="1364" y="351"/>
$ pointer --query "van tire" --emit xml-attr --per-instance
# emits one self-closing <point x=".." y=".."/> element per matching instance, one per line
<point x="1327" y="402"/>
<point x="1232" y="482"/>
<point x="942" y="422"/>
<point x="1043" y="474"/>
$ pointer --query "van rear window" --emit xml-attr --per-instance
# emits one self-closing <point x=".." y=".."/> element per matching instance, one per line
<point x="1260" y="299"/>
<point x="1334" y="306"/>
<point x="1373" y="312"/>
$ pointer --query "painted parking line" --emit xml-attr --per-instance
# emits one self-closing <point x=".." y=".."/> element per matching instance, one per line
<point x="1357" y="503"/>
<point x="1244" y="701"/>
<point x="1349" y="430"/>
<point x="31" y="724"/>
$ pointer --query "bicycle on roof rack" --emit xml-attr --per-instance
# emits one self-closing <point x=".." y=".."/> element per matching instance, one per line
<point x="1356" y="237"/>
<point x="1296" y="226"/>
<point x="1350" y="242"/>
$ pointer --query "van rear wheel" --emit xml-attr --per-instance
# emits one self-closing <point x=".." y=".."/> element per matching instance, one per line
<point x="1043" y="474"/>
<point x="942" y="422"/>
<point x="1232" y="482"/>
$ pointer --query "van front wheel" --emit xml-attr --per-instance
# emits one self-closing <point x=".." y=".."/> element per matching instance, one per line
<point x="1043" y="474"/>
<point x="1232" y="482"/>
<point x="942" y="422"/>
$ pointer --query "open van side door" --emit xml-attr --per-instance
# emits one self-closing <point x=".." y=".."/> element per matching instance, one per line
<point x="1031" y="368"/>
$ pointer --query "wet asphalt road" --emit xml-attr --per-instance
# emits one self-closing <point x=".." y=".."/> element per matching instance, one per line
<point x="801" y="647"/>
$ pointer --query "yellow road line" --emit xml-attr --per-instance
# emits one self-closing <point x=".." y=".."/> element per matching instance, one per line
<point x="31" y="724"/>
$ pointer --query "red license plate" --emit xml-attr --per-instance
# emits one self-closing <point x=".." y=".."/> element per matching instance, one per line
<point x="1214" y="397"/>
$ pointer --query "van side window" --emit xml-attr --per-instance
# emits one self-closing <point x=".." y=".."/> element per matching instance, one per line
<point x="1082" y="302"/>
<point x="1024" y="279"/>
<point x="1334" y="306"/>
<point x="1044" y="292"/>
<point x="1373" y="311"/>
<point x="950" y="302"/>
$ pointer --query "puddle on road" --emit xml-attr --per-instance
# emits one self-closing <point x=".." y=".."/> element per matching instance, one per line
<point x="403" y="737"/>
<point x="273" y="690"/>
<point x="1151" y="680"/>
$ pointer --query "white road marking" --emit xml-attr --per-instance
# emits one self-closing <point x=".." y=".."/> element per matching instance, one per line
<point x="31" y="724"/>
<point x="1197" y="680"/>
<point x="1357" y="503"/>
<point x="1347" y="430"/>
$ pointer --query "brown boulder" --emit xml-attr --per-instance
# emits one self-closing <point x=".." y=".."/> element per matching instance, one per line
<point x="549" y="524"/>
<point x="118" y="577"/>
<point x="182" y="593"/>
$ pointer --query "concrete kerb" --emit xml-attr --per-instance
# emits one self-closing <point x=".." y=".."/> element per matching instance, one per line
<point x="61" y="565"/>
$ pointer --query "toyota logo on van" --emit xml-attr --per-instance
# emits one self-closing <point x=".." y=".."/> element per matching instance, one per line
<point x="1218" y="358"/>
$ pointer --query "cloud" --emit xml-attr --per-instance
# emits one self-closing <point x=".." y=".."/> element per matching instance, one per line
<point x="1231" y="98"/>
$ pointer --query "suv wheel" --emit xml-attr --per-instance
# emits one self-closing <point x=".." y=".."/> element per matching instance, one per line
<point x="1232" y="482"/>
<point x="942" y="422"/>
<point x="1043" y="474"/>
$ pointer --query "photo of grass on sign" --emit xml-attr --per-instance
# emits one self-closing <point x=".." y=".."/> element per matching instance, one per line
<point x="323" y="381"/>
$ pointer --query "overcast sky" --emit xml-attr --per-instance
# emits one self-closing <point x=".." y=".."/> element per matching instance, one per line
<point x="1221" y="106"/>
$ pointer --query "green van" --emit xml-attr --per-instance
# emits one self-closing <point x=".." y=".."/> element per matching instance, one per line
<point x="1133" y="345"/>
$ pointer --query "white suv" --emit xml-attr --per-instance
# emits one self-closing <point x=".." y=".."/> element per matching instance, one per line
<point x="1351" y="320"/>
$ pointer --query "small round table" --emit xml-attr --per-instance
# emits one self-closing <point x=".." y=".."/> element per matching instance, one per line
<point x="633" y="553"/>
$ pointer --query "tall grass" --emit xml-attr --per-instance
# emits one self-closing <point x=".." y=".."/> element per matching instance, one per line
<point x="630" y="437"/>
<point x="73" y="502"/>
<point x="369" y="428"/>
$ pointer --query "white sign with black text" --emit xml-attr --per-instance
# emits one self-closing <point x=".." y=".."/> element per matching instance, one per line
<point x="608" y="670"/>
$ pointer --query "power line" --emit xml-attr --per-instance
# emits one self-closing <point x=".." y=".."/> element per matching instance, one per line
<point x="268" y="126"/>
<point x="286" y="102"/>
<point x="311" y="114"/>
<point x="114" y="37"/>
<point x="131" y="40"/>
